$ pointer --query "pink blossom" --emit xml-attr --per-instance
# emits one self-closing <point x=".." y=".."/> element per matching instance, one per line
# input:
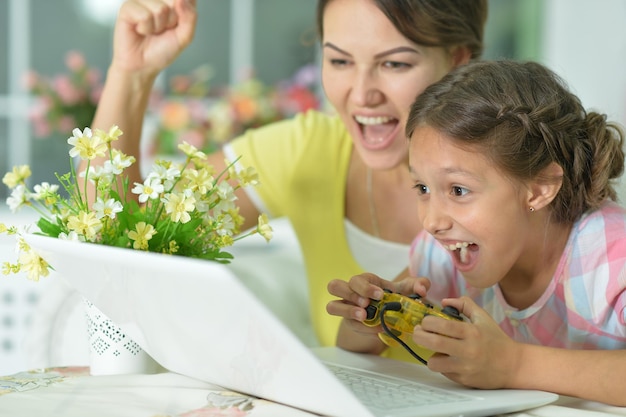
<point x="74" y="60"/>
<point x="30" y="80"/>
<point x="197" y="109"/>
<point x="194" y="138"/>
<point x="174" y="115"/>
<point x="42" y="127"/>
<point x="66" y="90"/>
<point x="96" y="92"/>
<point x="308" y="75"/>
<point x="93" y="77"/>
<point x="67" y="123"/>
<point x="44" y="104"/>
<point x="180" y="84"/>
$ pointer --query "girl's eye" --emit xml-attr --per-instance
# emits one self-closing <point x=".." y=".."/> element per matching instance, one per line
<point x="459" y="191"/>
<point x="421" y="189"/>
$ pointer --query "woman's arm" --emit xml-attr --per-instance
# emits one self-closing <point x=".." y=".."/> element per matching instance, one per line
<point x="148" y="36"/>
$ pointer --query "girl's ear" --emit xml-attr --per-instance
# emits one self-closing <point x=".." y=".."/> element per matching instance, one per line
<point x="544" y="188"/>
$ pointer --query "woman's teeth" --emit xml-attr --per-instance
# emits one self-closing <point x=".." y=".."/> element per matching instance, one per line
<point x="379" y="120"/>
<point x="462" y="248"/>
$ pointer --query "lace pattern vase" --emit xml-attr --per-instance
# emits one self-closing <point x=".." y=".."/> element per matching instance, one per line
<point x="111" y="351"/>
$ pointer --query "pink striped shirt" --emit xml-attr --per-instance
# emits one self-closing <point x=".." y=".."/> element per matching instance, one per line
<point x="584" y="306"/>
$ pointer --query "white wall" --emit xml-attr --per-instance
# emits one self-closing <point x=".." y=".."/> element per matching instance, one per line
<point x="585" y="43"/>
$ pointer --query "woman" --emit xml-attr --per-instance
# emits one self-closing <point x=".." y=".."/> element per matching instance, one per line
<point x="341" y="180"/>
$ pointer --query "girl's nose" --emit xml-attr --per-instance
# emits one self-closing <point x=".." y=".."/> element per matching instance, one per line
<point x="434" y="219"/>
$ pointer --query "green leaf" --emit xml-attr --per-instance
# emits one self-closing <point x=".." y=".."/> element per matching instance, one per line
<point x="48" y="228"/>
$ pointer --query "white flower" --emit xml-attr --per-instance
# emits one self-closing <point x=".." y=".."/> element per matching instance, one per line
<point x="227" y="225"/>
<point x="44" y="190"/>
<point x="71" y="236"/>
<point x="226" y="197"/>
<point x="108" y="208"/>
<point x="166" y="173"/>
<point x="97" y="173"/>
<point x="150" y="189"/>
<point x="118" y="163"/>
<point x="17" y="198"/>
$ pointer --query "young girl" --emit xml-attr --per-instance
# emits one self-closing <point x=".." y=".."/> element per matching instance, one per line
<point x="340" y="179"/>
<point x="521" y="235"/>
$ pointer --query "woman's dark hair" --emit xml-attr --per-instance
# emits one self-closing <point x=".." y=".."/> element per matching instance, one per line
<point x="438" y="23"/>
<point x="522" y="116"/>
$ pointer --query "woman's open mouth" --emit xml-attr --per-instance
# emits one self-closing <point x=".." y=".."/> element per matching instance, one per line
<point x="377" y="132"/>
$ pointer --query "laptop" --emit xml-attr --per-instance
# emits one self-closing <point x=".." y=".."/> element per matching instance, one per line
<point x="198" y="319"/>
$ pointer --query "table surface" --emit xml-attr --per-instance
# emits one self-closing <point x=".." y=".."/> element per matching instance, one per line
<point x="73" y="392"/>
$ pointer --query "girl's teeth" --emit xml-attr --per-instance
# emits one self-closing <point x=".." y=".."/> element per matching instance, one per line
<point x="462" y="247"/>
<point x="458" y="245"/>
<point x="463" y="254"/>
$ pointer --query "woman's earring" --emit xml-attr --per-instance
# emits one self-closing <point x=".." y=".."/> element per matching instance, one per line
<point x="531" y="208"/>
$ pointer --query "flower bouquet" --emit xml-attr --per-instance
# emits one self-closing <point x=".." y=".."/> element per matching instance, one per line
<point x="184" y="209"/>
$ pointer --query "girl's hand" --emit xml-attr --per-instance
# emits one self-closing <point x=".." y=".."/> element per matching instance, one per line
<point x="475" y="353"/>
<point x="150" y="34"/>
<point x="355" y="296"/>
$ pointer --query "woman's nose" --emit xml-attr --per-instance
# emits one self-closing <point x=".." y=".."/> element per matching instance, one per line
<point x="366" y="91"/>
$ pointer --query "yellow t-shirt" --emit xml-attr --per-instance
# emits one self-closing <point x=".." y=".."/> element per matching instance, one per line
<point x="302" y="165"/>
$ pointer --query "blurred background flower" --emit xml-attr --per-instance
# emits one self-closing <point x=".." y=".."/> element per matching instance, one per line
<point x="190" y="109"/>
<point x="64" y="101"/>
<point x="207" y="117"/>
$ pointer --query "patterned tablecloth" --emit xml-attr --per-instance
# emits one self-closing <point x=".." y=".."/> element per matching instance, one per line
<point x="72" y="392"/>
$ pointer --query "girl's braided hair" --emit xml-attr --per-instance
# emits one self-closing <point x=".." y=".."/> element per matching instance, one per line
<point x="522" y="116"/>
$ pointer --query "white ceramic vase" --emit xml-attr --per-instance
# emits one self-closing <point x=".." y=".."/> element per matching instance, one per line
<point x="111" y="351"/>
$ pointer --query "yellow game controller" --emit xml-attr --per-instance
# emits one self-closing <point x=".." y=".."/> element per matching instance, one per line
<point x="399" y="314"/>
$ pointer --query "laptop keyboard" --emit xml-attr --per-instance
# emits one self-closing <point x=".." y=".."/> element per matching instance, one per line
<point x="381" y="394"/>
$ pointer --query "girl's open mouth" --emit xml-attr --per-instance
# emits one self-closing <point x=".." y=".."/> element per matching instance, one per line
<point x="462" y="252"/>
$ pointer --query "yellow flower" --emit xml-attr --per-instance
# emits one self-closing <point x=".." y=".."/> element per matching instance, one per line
<point x="191" y="151"/>
<point x="17" y="176"/>
<point x="141" y="235"/>
<point x="247" y="177"/>
<point x="86" y="145"/>
<point x="173" y="247"/>
<point x="33" y="264"/>
<point x="113" y="134"/>
<point x="264" y="228"/>
<point x="178" y="206"/>
<point x="86" y="224"/>
<point x="9" y="268"/>
<point x="3" y="228"/>
<point x="199" y="180"/>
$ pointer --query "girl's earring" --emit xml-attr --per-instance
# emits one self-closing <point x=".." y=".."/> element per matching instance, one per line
<point x="531" y="208"/>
